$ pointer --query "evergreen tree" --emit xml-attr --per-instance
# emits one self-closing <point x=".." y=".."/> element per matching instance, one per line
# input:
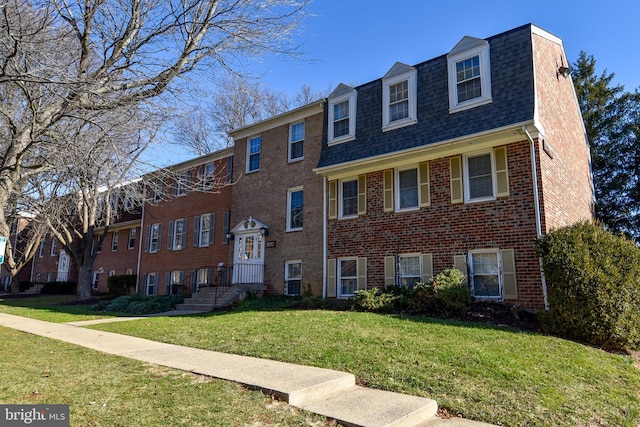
<point x="612" y="123"/>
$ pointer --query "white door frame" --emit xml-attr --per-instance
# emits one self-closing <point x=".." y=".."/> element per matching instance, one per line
<point x="248" y="252"/>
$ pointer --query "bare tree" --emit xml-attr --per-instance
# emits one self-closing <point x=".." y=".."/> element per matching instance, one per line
<point x="63" y="63"/>
<point x="238" y="101"/>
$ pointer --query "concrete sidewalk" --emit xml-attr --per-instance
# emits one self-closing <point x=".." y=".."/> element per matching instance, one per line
<point x="326" y="392"/>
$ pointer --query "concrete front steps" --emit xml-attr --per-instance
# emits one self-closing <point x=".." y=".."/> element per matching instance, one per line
<point x="210" y="298"/>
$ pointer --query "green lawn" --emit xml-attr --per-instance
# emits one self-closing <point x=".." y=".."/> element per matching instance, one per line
<point x="110" y="391"/>
<point x="490" y="374"/>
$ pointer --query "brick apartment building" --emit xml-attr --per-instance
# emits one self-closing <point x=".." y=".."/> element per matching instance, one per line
<point x="185" y="223"/>
<point x="278" y="200"/>
<point x="459" y="161"/>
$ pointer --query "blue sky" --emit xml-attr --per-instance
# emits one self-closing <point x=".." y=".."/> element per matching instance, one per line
<point x="356" y="41"/>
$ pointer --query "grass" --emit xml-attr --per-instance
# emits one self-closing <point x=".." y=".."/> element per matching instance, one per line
<point x="104" y="390"/>
<point x="485" y="373"/>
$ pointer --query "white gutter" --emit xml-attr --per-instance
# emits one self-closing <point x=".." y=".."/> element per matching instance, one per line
<point x="536" y="200"/>
<point x="324" y="239"/>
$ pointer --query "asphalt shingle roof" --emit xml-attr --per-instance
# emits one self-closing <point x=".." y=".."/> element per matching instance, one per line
<point x="513" y="100"/>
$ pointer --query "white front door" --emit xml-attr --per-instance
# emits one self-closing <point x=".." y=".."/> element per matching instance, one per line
<point x="63" y="267"/>
<point x="248" y="259"/>
<point x="248" y="251"/>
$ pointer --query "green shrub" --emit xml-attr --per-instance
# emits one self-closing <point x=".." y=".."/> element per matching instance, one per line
<point x="373" y="300"/>
<point x="139" y="304"/>
<point x="452" y="297"/>
<point x="122" y="284"/>
<point x="593" y="279"/>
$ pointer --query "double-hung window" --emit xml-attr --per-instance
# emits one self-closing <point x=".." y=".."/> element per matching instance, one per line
<point x="480" y="177"/>
<point x="485" y="275"/>
<point x="254" y="147"/>
<point x="469" y="75"/>
<point x="152" y="283"/>
<point x="207" y="176"/>
<point x="174" y="282"/>
<point x="347" y="276"/>
<point x="349" y="198"/>
<point x="157" y="191"/>
<point x="296" y="141"/>
<point x="54" y="246"/>
<point x="181" y="183"/>
<point x="407" y="193"/>
<point x="295" y="205"/>
<point x="399" y="97"/>
<point x="177" y="234"/>
<point x="154" y="237"/>
<point x="203" y="278"/>
<point x="132" y="238"/>
<point x="342" y="114"/>
<point x="410" y="269"/>
<point x="114" y="241"/>
<point x="293" y="277"/>
<point x="203" y="232"/>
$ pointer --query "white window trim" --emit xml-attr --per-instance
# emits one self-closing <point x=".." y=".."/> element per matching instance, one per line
<point x="157" y="240"/>
<point x="291" y="141"/>
<point x="208" y="180"/>
<point x="339" y="276"/>
<point x="248" y="156"/>
<point x="471" y="274"/>
<point x="115" y="237"/>
<point x="149" y="283"/>
<point x="465" y="173"/>
<point x="181" y="183"/>
<point x="175" y="245"/>
<point x="286" y="275"/>
<point x="396" y="189"/>
<point x="95" y="280"/>
<point x="129" y="238"/>
<point x="409" y="255"/>
<point x="290" y="191"/>
<point x="351" y="97"/>
<point x="411" y="78"/>
<point x="202" y="230"/>
<point x="340" y="198"/>
<point x="485" y="79"/>
<point x="54" y="244"/>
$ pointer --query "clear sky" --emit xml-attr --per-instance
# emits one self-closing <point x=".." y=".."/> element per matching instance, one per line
<point x="356" y="41"/>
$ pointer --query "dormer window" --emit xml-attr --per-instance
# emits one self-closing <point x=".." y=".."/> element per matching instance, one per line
<point x="469" y="74"/>
<point x="399" y="97"/>
<point x="342" y="114"/>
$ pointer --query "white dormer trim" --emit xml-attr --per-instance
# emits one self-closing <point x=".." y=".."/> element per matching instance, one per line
<point x="341" y="94"/>
<point x="397" y="74"/>
<point x="467" y="48"/>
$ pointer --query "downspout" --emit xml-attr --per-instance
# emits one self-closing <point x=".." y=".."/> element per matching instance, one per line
<point x="141" y="239"/>
<point x="536" y="200"/>
<point x="324" y="239"/>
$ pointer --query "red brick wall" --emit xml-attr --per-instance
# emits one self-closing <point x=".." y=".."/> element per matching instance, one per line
<point x="188" y="206"/>
<point x="566" y="192"/>
<point x="445" y="229"/>
<point x="119" y="260"/>
<point x="263" y="195"/>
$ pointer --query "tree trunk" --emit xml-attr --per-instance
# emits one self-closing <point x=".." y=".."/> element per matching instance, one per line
<point x="15" y="286"/>
<point x="85" y="281"/>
